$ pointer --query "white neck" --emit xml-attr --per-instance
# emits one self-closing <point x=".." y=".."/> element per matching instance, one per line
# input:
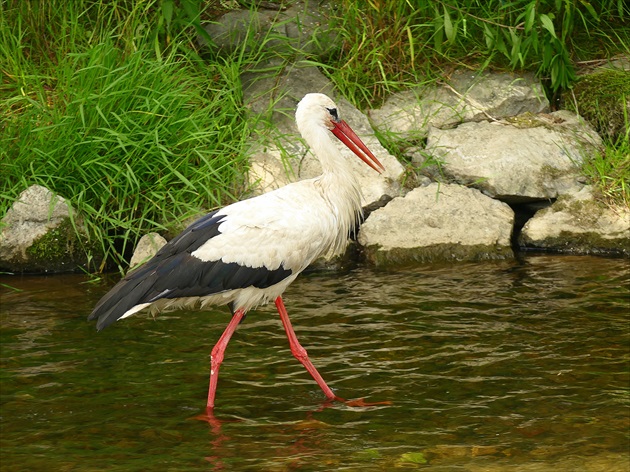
<point x="337" y="183"/>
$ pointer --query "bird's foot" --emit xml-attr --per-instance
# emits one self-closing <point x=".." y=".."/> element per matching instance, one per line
<point x="360" y="402"/>
<point x="208" y="417"/>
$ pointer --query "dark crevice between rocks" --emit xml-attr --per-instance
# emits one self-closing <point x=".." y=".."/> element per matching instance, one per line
<point x="523" y="212"/>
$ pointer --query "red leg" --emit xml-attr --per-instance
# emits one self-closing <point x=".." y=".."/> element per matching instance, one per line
<point x="216" y="356"/>
<point x="299" y="352"/>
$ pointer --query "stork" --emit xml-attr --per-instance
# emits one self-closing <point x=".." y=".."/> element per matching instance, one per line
<point x="248" y="253"/>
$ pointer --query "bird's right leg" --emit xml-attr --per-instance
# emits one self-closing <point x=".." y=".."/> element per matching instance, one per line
<point x="216" y="356"/>
<point x="300" y="353"/>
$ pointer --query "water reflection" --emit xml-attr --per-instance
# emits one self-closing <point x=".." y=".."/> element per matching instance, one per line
<point x="489" y="366"/>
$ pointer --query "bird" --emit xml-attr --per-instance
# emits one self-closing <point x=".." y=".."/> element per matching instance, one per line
<point x="247" y="253"/>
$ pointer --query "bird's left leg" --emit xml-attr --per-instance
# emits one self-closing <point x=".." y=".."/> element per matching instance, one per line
<point x="218" y="351"/>
<point x="299" y="352"/>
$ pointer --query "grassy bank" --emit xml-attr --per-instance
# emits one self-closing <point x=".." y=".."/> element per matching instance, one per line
<point x="110" y="104"/>
<point x="133" y="127"/>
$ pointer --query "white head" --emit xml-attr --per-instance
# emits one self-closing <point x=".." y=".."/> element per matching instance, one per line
<point x="317" y="112"/>
<point x="316" y="109"/>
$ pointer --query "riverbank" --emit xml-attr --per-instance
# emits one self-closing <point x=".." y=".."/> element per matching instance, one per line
<point x="139" y="133"/>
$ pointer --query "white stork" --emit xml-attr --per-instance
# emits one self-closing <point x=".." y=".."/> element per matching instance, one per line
<point x="248" y="253"/>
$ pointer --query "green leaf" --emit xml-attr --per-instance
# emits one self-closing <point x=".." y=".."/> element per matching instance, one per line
<point x="590" y="9"/>
<point x="547" y="55"/>
<point x="489" y="36"/>
<point x="534" y="40"/>
<point x="500" y="45"/>
<point x="547" y="23"/>
<point x="438" y="37"/>
<point x="191" y="7"/>
<point x="167" y="11"/>
<point x="530" y="16"/>
<point x="516" y="48"/>
<point x="448" y="26"/>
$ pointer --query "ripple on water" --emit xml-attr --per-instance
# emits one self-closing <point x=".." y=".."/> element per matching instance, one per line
<point x="489" y="366"/>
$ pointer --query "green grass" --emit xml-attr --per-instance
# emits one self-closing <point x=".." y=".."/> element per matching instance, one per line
<point x="601" y="98"/>
<point x="135" y="139"/>
<point x="109" y="104"/>
<point x="388" y="46"/>
<point x="609" y="172"/>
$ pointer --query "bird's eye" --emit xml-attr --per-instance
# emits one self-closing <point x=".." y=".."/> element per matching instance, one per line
<point x="333" y="113"/>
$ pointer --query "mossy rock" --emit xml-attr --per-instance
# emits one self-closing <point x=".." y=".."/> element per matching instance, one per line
<point x="603" y="99"/>
<point x="60" y="249"/>
<point x="579" y="224"/>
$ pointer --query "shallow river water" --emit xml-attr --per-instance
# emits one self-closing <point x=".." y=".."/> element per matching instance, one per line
<point x="516" y="366"/>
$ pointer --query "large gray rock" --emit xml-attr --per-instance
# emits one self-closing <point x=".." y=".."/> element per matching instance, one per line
<point x="302" y="28"/>
<point x="38" y="234"/>
<point x="468" y="96"/>
<point x="272" y="96"/>
<point x="278" y="155"/>
<point x="438" y="223"/>
<point x="530" y="157"/>
<point x="578" y="224"/>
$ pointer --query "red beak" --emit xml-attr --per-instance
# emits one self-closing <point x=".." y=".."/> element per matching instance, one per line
<point x="342" y="130"/>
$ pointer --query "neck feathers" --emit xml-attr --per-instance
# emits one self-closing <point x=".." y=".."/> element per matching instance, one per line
<point x="339" y="187"/>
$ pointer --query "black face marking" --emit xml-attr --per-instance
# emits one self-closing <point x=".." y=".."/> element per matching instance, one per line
<point x="333" y="112"/>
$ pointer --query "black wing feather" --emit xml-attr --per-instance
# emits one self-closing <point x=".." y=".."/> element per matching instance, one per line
<point x="174" y="273"/>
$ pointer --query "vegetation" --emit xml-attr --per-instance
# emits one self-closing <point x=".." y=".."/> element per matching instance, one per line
<point x="602" y="98"/>
<point x="111" y="105"/>
<point x="609" y="172"/>
<point x="389" y="45"/>
<point x="103" y="107"/>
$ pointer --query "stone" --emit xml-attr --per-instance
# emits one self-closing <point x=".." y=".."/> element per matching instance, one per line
<point x="300" y="29"/>
<point x="527" y="158"/>
<point x="272" y="97"/>
<point x="579" y="224"/>
<point x="439" y="222"/>
<point x="468" y="96"/>
<point x="147" y="247"/>
<point x="41" y="233"/>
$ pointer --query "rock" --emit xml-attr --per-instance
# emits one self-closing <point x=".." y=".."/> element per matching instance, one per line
<point x="279" y="156"/>
<point x="578" y="224"/>
<point x="302" y="28"/>
<point x="468" y="96"/>
<point x="147" y="247"/>
<point x="38" y="234"/>
<point x="272" y="97"/>
<point x="438" y="223"/>
<point x="526" y="158"/>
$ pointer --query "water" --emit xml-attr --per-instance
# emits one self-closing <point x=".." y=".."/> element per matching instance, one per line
<point x="488" y="367"/>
